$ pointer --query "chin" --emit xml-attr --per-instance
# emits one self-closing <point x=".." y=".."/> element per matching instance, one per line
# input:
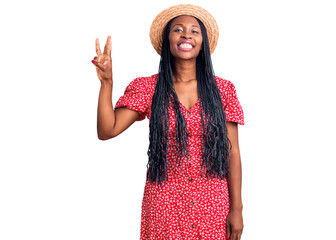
<point x="185" y="56"/>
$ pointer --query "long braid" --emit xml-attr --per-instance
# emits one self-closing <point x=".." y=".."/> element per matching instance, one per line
<point x="164" y="95"/>
<point x="216" y="142"/>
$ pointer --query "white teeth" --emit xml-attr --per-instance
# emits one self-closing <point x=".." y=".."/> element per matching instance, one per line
<point x="185" y="45"/>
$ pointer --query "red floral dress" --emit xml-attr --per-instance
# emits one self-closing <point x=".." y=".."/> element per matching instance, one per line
<point x="186" y="206"/>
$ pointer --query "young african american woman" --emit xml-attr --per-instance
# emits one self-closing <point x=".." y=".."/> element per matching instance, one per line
<point x="172" y="207"/>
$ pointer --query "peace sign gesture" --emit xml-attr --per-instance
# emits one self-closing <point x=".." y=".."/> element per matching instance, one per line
<point x="103" y="61"/>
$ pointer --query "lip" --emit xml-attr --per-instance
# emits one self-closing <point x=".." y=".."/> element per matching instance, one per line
<point x="185" y="41"/>
<point x="185" y="49"/>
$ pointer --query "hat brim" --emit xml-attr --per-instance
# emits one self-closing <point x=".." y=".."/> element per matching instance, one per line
<point x="161" y="20"/>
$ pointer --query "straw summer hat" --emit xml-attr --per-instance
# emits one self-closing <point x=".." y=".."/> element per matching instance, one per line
<point x="161" y="20"/>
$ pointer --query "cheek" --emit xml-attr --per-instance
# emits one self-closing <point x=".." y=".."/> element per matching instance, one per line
<point x="200" y="42"/>
<point x="171" y="47"/>
<point x="170" y="40"/>
<point x="172" y="43"/>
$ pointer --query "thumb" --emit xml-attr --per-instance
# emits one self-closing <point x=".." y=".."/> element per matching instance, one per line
<point x="98" y="64"/>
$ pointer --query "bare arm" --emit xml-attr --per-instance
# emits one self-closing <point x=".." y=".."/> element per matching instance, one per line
<point x="235" y="177"/>
<point x="235" y="218"/>
<point x="110" y="122"/>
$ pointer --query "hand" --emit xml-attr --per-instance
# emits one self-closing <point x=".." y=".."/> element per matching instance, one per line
<point x="103" y="62"/>
<point x="234" y="225"/>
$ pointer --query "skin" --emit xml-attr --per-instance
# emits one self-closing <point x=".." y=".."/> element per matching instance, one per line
<point x="110" y="122"/>
<point x="185" y="28"/>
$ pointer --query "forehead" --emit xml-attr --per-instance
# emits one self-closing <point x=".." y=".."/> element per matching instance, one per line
<point x="185" y="20"/>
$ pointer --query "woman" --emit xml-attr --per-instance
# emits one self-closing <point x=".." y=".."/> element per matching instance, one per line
<point x="193" y="186"/>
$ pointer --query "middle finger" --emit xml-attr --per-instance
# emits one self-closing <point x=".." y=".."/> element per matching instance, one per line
<point x="107" y="48"/>
<point x="239" y="236"/>
<point x="233" y="236"/>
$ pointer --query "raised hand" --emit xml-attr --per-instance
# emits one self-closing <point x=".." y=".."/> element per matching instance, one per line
<point x="103" y="61"/>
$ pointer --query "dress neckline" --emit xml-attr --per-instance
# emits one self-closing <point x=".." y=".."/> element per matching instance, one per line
<point x="191" y="107"/>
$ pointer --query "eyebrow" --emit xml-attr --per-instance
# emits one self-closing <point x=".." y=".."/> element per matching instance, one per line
<point x="180" y="24"/>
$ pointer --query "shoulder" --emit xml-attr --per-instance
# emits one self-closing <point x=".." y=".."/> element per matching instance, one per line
<point x="148" y="79"/>
<point x="233" y="109"/>
<point x="142" y="84"/>
<point x="146" y="82"/>
<point x="225" y="86"/>
<point x="151" y="80"/>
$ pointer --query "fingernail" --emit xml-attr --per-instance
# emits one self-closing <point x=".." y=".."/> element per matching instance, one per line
<point x="93" y="61"/>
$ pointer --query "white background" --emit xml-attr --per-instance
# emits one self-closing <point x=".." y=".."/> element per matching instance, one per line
<point x="59" y="181"/>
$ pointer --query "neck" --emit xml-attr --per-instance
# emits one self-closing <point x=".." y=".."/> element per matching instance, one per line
<point x="184" y="71"/>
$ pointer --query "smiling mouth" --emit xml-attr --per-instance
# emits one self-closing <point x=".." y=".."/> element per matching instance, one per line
<point x="183" y="46"/>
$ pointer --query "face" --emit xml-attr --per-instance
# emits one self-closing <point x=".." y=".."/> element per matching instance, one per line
<point x="185" y="38"/>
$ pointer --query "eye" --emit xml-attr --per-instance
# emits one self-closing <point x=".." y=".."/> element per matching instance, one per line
<point x="178" y="30"/>
<point x="194" y="31"/>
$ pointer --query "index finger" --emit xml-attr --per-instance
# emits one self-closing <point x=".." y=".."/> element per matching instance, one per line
<point x="107" y="49"/>
<point x="98" y="47"/>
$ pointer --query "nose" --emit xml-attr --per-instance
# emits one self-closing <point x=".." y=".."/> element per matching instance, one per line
<point x="185" y="36"/>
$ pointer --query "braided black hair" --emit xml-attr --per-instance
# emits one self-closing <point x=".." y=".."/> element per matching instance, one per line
<point x="216" y="142"/>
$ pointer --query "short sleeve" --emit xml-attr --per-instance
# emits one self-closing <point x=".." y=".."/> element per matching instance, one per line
<point x="135" y="97"/>
<point x="234" y="111"/>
